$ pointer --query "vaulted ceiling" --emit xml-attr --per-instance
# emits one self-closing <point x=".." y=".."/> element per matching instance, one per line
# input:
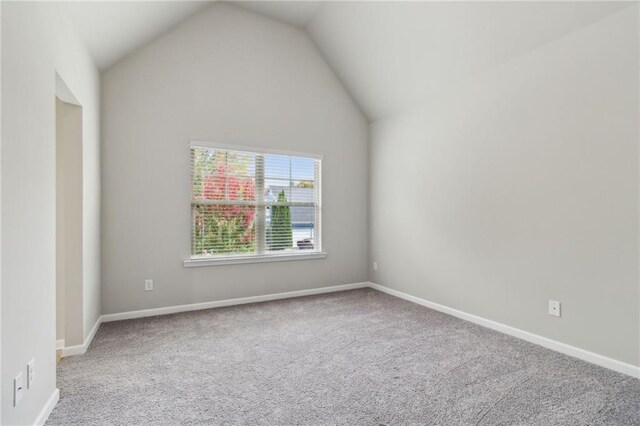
<point x="389" y="55"/>
<point x="394" y="55"/>
<point x="113" y="29"/>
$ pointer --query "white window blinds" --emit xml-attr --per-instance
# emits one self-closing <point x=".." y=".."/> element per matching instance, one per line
<point x="252" y="202"/>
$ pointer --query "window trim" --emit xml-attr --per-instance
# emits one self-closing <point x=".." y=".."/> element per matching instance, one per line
<point x="252" y="149"/>
<point x="251" y="258"/>
<point x="197" y="261"/>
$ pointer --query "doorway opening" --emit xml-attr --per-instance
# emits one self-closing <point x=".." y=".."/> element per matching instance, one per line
<point x="69" y="302"/>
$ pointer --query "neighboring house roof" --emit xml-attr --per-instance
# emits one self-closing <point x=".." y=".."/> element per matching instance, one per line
<point x="299" y="215"/>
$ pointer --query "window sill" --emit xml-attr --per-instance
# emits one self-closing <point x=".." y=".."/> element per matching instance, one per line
<point x="232" y="260"/>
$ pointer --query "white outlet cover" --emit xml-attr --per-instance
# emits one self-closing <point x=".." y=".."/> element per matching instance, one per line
<point x="31" y="373"/>
<point x="554" y="308"/>
<point x="148" y="285"/>
<point x="375" y="266"/>
<point x="18" y="389"/>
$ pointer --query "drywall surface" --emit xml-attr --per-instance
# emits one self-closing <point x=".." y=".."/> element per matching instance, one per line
<point x="1" y="375"/>
<point x="91" y="211"/>
<point x="229" y="76"/>
<point x="37" y="41"/>
<point x="60" y="222"/>
<point x="69" y="224"/>
<point x="392" y="55"/>
<point x="520" y="186"/>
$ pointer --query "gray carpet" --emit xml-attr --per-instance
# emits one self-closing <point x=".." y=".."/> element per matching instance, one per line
<point x="359" y="357"/>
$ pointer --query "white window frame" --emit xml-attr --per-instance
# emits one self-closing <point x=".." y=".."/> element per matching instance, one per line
<point x="195" y="261"/>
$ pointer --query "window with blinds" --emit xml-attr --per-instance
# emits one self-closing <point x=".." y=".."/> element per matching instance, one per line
<point x="250" y="202"/>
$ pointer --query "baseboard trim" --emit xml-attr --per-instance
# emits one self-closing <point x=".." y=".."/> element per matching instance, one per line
<point x="48" y="408"/>
<point x="59" y="344"/>
<point x="594" y="358"/>
<point x="80" y="349"/>
<point x="591" y="357"/>
<point x="228" y="302"/>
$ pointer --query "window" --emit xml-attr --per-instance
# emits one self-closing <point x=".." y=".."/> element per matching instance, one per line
<point x="249" y="204"/>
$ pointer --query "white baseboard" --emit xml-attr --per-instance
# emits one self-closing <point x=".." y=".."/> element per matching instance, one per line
<point x="80" y="349"/>
<point x="229" y="302"/>
<point x="564" y="348"/>
<point x="601" y="360"/>
<point x="59" y="344"/>
<point x="48" y="408"/>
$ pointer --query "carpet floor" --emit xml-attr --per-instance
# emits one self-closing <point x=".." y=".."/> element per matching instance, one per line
<point x="359" y="357"/>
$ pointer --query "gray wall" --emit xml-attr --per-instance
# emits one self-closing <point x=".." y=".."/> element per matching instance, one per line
<point x="37" y="41"/>
<point x="520" y="186"/>
<point x="228" y="76"/>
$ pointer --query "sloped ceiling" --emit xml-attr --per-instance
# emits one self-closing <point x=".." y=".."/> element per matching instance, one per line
<point x="389" y="55"/>
<point x="113" y="29"/>
<point x="392" y="55"/>
<point x="296" y="13"/>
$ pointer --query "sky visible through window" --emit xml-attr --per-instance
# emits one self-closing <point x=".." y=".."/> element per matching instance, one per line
<point x="279" y="169"/>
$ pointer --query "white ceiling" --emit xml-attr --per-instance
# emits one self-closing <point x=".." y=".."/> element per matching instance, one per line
<point x="392" y="55"/>
<point x="113" y="29"/>
<point x="297" y="13"/>
<point x="389" y="55"/>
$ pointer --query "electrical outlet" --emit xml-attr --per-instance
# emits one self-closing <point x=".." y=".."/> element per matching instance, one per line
<point x="375" y="266"/>
<point x="554" y="308"/>
<point x="31" y="373"/>
<point x="148" y="285"/>
<point x="18" y="389"/>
